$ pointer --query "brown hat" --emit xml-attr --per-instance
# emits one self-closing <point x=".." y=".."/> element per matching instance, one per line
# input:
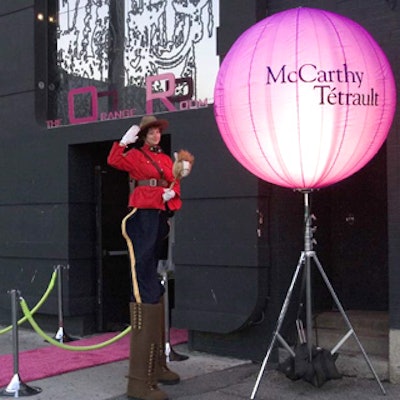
<point x="149" y="121"/>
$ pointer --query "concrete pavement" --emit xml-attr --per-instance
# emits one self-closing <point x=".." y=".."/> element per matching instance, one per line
<point x="204" y="377"/>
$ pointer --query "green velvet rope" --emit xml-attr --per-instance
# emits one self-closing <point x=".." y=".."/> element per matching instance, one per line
<point x="49" y="339"/>
<point x="46" y="294"/>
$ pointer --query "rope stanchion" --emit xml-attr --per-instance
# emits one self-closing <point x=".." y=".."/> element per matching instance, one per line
<point x="16" y="387"/>
<point x="46" y="294"/>
<point x="61" y="335"/>
<point x="40" y="332"/>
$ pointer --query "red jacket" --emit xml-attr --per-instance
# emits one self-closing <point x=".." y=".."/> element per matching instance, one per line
<point x="140" y="168"/>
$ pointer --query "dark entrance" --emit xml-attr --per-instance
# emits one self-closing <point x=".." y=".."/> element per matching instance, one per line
<point x="101" y="195"/>
<point x="113" y="290"/>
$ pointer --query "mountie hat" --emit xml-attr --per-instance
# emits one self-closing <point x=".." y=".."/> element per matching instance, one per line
<point x="149" y="121"/>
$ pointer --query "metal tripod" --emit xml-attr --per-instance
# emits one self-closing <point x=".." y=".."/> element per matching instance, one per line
<point x="305" y="261"/>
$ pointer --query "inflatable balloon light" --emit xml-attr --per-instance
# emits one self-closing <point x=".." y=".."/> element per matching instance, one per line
<point x="304" y="98"/>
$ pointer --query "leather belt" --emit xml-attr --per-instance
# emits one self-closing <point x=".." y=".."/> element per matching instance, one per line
<point x="152" y="182"/>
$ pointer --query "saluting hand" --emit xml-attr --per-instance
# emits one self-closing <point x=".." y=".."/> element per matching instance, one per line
<point x="130" y="136"/>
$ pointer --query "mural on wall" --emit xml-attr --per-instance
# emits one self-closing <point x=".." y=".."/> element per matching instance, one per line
<point x="118" y="59"/>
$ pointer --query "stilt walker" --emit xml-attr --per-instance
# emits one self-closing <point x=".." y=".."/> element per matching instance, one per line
<point x="156" y="195"/>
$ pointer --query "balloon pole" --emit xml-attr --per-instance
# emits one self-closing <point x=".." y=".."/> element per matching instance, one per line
<point x="308" y="255"/>
<point x="16" y="387"/>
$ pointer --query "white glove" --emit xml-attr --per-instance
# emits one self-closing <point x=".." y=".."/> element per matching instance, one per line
<point x="168" y="194"/>
<point x="130" y="136"/>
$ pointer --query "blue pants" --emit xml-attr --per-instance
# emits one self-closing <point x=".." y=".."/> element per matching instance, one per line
<point x="146" y="229"/>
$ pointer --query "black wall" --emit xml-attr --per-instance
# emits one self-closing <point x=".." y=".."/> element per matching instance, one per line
<point x="238" y="240"/>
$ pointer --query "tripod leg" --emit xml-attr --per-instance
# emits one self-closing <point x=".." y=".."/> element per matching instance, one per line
<point x="278" y="325"/>
<point x="308" y="306"/>
<point x="346" y="319"/>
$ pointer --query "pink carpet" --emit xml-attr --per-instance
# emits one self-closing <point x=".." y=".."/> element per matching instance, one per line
<point x="51" y="360"/>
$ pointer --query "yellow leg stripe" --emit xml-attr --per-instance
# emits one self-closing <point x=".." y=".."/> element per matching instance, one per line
<point x="132" y="259"/>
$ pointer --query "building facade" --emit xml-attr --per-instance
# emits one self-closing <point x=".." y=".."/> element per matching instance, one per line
<point x="75" y="78"/>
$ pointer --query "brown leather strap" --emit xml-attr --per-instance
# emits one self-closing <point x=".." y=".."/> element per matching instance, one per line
<point x="155" y="165"/>
<point x="152" y="182"/>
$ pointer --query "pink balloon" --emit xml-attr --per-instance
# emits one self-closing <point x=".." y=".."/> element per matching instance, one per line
<point x="304" y="98"/>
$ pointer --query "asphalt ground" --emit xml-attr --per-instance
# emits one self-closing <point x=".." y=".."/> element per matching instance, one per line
<point x="203" y="377"/>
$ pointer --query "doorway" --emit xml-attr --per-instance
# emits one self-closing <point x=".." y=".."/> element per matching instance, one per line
<point x="113" y="277"/>
<point x="98" y="196"/>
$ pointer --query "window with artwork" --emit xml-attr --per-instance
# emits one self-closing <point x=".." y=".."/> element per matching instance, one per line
<point x="122" y="58"/>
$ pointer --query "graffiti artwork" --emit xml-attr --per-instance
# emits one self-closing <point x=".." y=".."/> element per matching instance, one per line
<point x="131" y="57"/>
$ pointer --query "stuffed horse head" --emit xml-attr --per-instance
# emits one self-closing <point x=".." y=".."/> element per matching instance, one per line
<point x="183" y="164"/>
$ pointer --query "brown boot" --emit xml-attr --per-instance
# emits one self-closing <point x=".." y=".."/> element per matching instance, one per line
<point x="142" y="382"/>
<point x="164" y="374"/>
